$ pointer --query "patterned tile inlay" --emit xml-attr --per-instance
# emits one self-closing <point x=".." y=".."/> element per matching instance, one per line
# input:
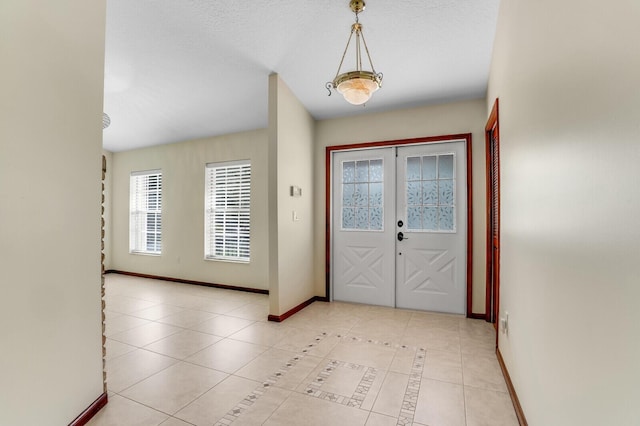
<point x="248" y="401"/>
<point x="355" y="400"/>
<point x="314" y="389"/>
<point x="410" y="400"/>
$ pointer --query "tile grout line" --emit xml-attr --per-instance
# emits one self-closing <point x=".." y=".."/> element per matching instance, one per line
<point x="464" y="387"/>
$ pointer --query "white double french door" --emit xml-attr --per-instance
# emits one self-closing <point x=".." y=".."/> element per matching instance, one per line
<point x="399" y="218"/>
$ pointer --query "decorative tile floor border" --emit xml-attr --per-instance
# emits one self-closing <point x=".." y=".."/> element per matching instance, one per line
<point x="384" y="343"/>
<point x="410" y="400"/>
<point x="362" y="389"/>
<point x="233" y="414"/>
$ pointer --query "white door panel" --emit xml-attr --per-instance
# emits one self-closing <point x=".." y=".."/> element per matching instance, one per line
<point x="431" y="203"/>
<point x="419" y="190"/>
<point x="363" y="227"/>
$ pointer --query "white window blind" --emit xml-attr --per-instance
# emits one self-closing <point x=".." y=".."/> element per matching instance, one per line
<point x="227" y="211"/>
<point x="145" y="208"/>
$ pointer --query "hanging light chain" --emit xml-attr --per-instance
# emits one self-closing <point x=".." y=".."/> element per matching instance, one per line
<point x="379" y="75"/>
<point x="358" y="52"/>
<point x="344" y="54"/>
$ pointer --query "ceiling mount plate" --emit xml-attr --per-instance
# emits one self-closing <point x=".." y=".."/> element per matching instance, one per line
<point x="357" y="6"/>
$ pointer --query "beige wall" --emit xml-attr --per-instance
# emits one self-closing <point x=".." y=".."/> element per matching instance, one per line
<point x="183" y="172"/>
<point x="567" y="77"/>
<point x="287" y="256"/>
<point x="454" y="118"/>
<point x="291" y="164"/>
<point x="51" y="85"/>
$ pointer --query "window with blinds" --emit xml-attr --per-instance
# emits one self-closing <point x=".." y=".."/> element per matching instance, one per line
<point x="227" y="211"/>
<point x="145" y="212"/>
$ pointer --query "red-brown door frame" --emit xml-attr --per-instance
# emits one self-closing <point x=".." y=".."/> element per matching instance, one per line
<point x="492" y="149"/>
<point x="463" y="136"/>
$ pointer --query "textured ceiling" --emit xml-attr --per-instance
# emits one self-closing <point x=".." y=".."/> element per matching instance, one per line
<point x="183" y="69"/>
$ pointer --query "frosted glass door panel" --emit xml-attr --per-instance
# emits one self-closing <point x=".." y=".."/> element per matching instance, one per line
<point x="363" y="195"/>
<point x="430" y="192"/>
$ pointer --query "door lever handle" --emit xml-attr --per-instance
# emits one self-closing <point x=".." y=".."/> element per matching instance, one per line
<point x="401" y="236"/>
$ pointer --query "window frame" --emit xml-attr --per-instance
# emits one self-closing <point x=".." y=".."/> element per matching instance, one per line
<point x="139" y="211"/>
<point x="239" y="241"/>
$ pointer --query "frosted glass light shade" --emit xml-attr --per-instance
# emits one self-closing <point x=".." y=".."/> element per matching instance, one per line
<point x="357" y="86"/>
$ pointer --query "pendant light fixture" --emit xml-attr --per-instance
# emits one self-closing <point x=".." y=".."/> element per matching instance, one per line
<point x="356" y="86"/>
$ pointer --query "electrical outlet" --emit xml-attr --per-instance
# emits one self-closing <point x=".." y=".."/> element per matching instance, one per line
<point x="504" y="323"/>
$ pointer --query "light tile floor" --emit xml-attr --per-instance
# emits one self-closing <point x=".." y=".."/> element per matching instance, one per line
<point x="179" y="354"/>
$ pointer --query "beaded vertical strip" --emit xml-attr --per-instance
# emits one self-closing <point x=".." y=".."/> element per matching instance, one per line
<point x="104" y="338"/>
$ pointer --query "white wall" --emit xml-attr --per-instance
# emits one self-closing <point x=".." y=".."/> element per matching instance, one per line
<point x="436" y="120"/>
<point x="183" y="175"/>
<point x="291" y="246"/>
<point x="567" y="75"/>
<point x="51" y="85"/>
